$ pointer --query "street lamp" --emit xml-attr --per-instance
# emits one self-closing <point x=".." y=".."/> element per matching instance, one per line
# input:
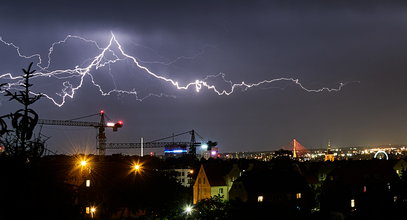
<point x="137" y="167"/>
<point x="92" y="211"/>
<point x="188" y="209"/>
<point x="83" y="163"/>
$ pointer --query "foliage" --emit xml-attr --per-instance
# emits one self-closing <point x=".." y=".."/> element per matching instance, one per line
<point x="212" y="208"/>
<point x="18" y="142"/>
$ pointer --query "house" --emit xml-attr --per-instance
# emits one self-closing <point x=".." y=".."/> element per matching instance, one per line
<point x="272" y="186"/>
<point x="214" y="179"/>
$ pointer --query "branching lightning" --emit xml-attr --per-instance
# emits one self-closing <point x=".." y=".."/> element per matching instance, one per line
<point x="113" y="53"/>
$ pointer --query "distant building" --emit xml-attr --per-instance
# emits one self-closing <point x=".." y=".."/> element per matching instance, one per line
<point x="329" y="155"/>
<point x="183" y="176"/>
<point x="214" y="179"/>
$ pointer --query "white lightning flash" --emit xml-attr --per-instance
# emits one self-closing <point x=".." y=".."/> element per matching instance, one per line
<point x="108" y="56"/>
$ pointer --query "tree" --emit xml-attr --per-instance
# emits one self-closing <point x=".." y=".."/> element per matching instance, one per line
<point x="212" y="208"/>
<point x="18" y="142"/>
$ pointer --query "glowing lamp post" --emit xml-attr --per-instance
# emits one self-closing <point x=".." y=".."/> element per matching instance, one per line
<point x="92" y="211"/>
<point x="188" y="209"/>
<point x="83" y="163"/>
<point x="137" y="167"/>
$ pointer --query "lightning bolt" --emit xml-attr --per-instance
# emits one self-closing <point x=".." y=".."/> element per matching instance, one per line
<point x="177" y="59"/>
<point x="114" y="53"/>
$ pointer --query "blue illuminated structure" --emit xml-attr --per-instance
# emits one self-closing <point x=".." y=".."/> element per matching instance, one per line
<point x="175" y="151"/>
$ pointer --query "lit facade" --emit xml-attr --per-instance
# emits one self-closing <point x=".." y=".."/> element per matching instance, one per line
<point x="183" y="176"/>
<point x="214" y="182"/>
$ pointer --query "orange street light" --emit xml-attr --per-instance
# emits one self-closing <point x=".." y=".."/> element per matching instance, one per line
<point x="92" y="211"/>
<point x="83" y="163"/>
<point x="137" y="167"/>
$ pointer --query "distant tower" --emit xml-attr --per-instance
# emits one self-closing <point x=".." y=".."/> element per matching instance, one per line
<point x="329" y="155"/>
<point x="294" y="148"/>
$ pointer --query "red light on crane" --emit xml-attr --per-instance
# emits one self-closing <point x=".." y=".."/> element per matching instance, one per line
<point x="102" y="112"/>
<point x="119" y="124"/>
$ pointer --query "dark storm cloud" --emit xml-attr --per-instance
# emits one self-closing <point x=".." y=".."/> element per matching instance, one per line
<point x="320" y="42"/>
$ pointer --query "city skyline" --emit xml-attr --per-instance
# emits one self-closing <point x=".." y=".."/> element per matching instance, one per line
<point x="322" y="45"/>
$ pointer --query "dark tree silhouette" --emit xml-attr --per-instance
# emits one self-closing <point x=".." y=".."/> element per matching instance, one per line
<point x="18" y="141"/>
<point x="212" y="208"/>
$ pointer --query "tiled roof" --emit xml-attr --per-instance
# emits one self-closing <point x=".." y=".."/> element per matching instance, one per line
<point x="216" y="172"/>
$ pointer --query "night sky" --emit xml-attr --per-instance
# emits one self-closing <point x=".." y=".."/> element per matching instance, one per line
<point x="360" y="43"/>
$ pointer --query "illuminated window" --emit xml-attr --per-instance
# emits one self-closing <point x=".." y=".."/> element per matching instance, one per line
<point x="260" y="199"/>
<point x="352" y="203"/>
<point x="364" y="189"/>
<point x="87" y="210"/>
<point x="298" y="195"/>
<point x="87" y="183"/>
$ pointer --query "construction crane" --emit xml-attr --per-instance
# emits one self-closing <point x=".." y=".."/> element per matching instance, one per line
<point x="101" y="125"/>
<point x="159" y="143"/>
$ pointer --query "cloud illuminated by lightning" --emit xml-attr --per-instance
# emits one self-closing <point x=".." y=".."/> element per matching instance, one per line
<point x="113" y="53"/>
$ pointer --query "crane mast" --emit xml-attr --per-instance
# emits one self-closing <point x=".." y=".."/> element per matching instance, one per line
<point x="101" y="135"/>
